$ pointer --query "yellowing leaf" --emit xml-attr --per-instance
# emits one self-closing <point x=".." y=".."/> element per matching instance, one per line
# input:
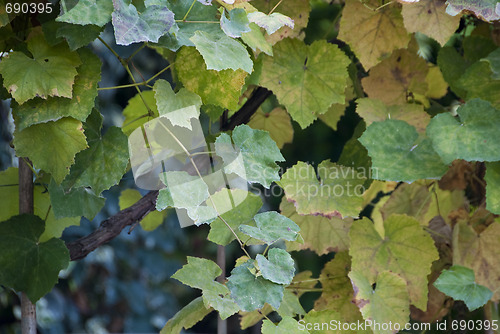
<point x="374" y="110"/>
<point x="307" y="79"/>
<point x="480" y="252"/>
<point x="386" y="302"/>
<point x="396" y="79"/>
<point x="221" y="88"/>
<point x="404" y="248"/>
<point x="136" y="113"/>
<point x="430" y="18"/>
<point x="436" y="85"/>
<point x="373" y="35"/>
<point x="277" y="123"/>
<point x="64" y="138"/>
<point x="320" y="234"/>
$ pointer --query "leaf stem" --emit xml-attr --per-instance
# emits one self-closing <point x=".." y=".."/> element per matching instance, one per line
<point x="189" y="10"/>
<point x="272" y="10"/>
<point x="135" y="52"/>
<point x="110" y="49"/>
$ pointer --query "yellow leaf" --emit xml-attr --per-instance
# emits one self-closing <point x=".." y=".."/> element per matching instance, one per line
<point x="277" y="123"/>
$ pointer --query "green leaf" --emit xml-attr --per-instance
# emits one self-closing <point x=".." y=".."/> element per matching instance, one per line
<point x="128" y="197"/>
<point x="484" y="9"/>
<point x="286" y="325"/>
<point x="221" y="52"/>
<point x="271" y="226"/>
<point x="387" y="302"/>
<point x="256" y="40"/>
<point x="319" y="234"/>
<point x="28" y="265"/>
<point x="237" y="24"/>
<point x="51" y="71"/>
<point x="176" y="107"/>
<point x="479" y="252"/>
<point x="77" y="202"/>
<point x="307" y="79"/>
<point x="78" y="36"/>
<point x="255" y="157"/>
<point x="453" y="66"/>
<point x="136" y="113"/>
<point x="187" y="317"/>
<point x="221" y="88"/>
<point x="9" y="199"/>
<point x="494" y="60"/>
<point x="251" y="292"/>
<point x="183" y="191"/>
<point x="218" y="297"/>
<point x="472" y="136"/>
<point x="40" y="110"/>
<point x="460" y="284"/>
<point x="103" y="164"/>
<point x="277" y="123"/>
<point x="64" y="137"/>
<point x="337" y="192"/>
<point x="243" y="213"/>
<point x="198" y="273"/>
<point x="492" y="179"/>
<point x="477" y="81"/>
<point x="399" y="154"/>
<point x="372" y="34"/>
<point x="270" y="22"/>
<point x="279" y="268"/>
<point x="394" y="79"/>
<point x="394" y="250"/>
<point x="430" y="18"/>
<point x="97" y="12"/>
<point x="148" y="26"/>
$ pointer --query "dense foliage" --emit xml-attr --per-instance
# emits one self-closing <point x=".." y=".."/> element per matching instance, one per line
<point x="408" y="212"/>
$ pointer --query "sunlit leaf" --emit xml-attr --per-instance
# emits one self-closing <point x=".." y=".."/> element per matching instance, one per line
<point x="492" y="179"/>
<point x="256" y="41"/>
<point x="484" y="9"/>
<point x="278" y="267"/>
<point x="286" y="325"/>
<point x="277" y="123"/>
<point x="187" y="317"/>
<point x="272" y="22"/>
<point x="237" y="23"/>
<point x="271" y="226"/>
<point x="85" y="12"/>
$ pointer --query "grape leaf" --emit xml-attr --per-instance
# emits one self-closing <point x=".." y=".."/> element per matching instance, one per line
<point x="64" y="137"/>
<point x="221" y="52"/>
<point x="277" y="123"/>
<point x="436" y="86"/>
<point x="183" y="191"/>
<point x="271" y="226"/>
<point x="80" y="106"/>
<point x="484" y="9"/>
<point x="85" y="12"/>
<point x="243" y="213"/>
<point x="51" y="71"/>
<point x="394" y="250"/>
<point x="337" y="192"/>
<point x="460" y="283"/>
<point x="198" y="273"/>
<point x="307" y="79"/>
<point x="251" y="292"/>
<point x="133" y="27"/>
<point x="272" y="22"/>
<point x="221" y="88"/>
<point x="286" y="325"/>
<point x="278" y="267"/>
<point x="386" y="302"/>
<point x="77" y="202"/>
<point x="187" y="317"/>
<point x="128" y="197"/>
<point x="255" y="157"/>
<point x="494" y="61"/>
<point x="398" y="154"/>
<point x="136" y="113"/>
<point x="9" y="200"/>
<point x="256" y="40"/>
<point x="453" y="66"/>
<point x="471" y="137"/>
<point x="319" y="234"/>
<point x="218" y="297"/>
<point x="23" y="257"/>
<point x="430" y="18"/>
<point x="337" y="291"/>
<point x="78" y="36"/>
<point x="492" y="179"/>
<point x="237" y="24"/>
<point x="103" y="164"/>
<point x="479" y="252"/>
<point x="297" y="10"/>
<point x="374" y="110"/>
<point x="373" y="35"/>
<point x="477" y="81"/>
<point x="397" y="78"/>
